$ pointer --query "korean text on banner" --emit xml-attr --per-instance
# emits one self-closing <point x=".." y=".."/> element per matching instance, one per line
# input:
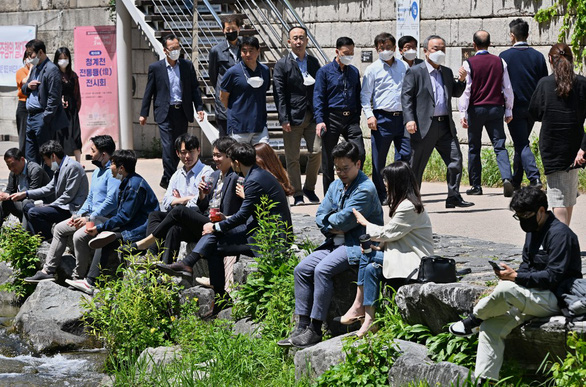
<point x="95" y="64"/>
<point x="12" y="42"/>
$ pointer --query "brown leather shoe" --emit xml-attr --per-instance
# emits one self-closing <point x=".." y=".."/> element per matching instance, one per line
<point x="176" y="269"/>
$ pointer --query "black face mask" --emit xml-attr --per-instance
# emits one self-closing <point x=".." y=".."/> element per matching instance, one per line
<point x="529" y="224"/>
<point x="98" y="163"/>
<point x="231" y="36"/>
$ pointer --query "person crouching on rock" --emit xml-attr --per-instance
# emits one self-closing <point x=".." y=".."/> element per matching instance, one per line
<point x="404" y="240"/>
<point x="551" y="255"/>
<point x="313" y="275"/>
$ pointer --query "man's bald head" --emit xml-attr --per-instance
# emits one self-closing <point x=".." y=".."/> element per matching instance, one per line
<point x="481" y="40"/>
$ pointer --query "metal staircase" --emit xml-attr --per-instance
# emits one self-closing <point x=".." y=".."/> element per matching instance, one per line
<point x="198" y="27"/>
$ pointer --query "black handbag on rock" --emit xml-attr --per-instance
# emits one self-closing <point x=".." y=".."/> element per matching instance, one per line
<point x="435" y="269"/>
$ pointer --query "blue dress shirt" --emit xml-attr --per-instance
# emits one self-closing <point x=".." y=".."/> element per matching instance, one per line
<point x="32" y="101"/>
<point x="335" y="89"/>
<point x="102" y="198"/>
<point x="174" y="82"/>
<point x="381" y="87"/>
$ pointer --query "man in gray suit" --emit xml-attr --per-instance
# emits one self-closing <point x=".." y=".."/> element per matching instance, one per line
<point x="43" y="104"/>
<point x="69" y="185"/>
<point x="427" y="94"/>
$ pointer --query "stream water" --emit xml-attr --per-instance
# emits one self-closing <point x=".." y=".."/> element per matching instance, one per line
<point x="20" y="367"/>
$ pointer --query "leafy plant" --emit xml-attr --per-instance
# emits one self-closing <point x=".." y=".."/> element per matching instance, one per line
<point x="458" y="350"/>
<point x="19" y="248"/>
<point x="268" y="295"/>
<point x="571" y="371"/>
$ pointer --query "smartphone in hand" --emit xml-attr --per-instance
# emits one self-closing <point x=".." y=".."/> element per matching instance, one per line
<point x="495" y="266"/>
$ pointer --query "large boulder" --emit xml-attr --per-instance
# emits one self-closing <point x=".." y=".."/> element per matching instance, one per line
<point x="316" y="360"/>
<point x="160" y="356"/>
<point x="50" y="319"/>
<point x="436" y="305"/>
<point x="342" y="299"/>
<point x="205" y="299"/>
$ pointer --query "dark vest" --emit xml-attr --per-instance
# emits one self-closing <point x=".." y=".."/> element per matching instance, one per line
<point x="486" y="72"/>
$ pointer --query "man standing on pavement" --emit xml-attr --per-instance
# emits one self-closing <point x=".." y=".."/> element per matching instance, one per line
<point x="427" y="94"/>
<point x="487" y="98"/>
<point x="381" y="102"/>
<point x="336" y="103"/>
<point x="408" y="50"/>
<point x="526" y="67"/>
<point x="43" y="104"/>
<point x="223" y="56"/>
<point x="551" y="255"/>
<point x="173" y="85"/>
<point x="293" y="80"/>
<point x="244" y="92"/>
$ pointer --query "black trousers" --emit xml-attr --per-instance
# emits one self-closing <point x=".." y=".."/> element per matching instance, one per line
<point x="174" y="126"/>
<point x="21" y="117"/>
<point x="180" y="224"/>
<point x="338" y="125"/>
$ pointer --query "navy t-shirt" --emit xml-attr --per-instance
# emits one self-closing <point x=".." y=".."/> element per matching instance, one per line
<point x="247" y="106"/>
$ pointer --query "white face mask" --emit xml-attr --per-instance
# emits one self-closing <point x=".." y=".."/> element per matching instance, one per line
<point x="35" y="61"/>
<point x="28" y="61"/>
<point x="346" y="59"/>
<point x="174" y="55"/>
<point x="386" y="55"/>
<point x="63" y="63"/>
<point x="410" y="54"/>
<point x="255" y="82"/>
<point x="54" y="166"/>
<point x="119" y="176"/>
<point x="437" y="57"/>
<point x="308" y="80"/>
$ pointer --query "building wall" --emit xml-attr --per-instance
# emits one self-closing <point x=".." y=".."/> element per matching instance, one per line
<point x="456" y="21"/>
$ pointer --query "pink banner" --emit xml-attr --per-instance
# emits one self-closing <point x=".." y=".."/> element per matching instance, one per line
<point x="95" y="64"/>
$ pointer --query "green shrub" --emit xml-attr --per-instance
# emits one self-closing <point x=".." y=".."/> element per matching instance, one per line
<point x="571" y="371"/>
<point x="19" y="248"/>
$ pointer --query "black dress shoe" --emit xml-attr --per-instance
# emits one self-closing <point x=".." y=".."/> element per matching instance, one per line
<point x="298" y="200"/>
<point x="508" y="188"/>
<point x="457" y="201"/>
<point x="536" y="183"/>
<point x="475" y="190"/>
<point x="311" y="196"/>
<point x="164" y="183"/>
<point x="176" y="269"/>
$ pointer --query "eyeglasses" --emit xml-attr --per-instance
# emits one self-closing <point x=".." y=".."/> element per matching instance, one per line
<point x="526" y="215"/>
<point x="343" y="170"/>
<point x="187" y="152"/>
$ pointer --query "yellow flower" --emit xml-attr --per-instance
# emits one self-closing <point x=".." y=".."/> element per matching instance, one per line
<point x="172" y="318"/>
<point x="153" y="330"/>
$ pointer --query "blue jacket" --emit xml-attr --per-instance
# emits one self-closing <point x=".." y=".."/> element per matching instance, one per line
<point x="335" y="212"/>
<point x="136" y="200"/>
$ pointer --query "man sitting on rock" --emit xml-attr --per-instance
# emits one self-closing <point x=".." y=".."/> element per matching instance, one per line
<point x="99" y="206"/>
<point x="313" y="275"/>
<point x="551" y="254"/>
<point x="23" y="175"/>
<point x="136" y="200"/>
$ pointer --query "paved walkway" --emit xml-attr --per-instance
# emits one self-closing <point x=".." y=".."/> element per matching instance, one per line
<point x="489" y="220"/>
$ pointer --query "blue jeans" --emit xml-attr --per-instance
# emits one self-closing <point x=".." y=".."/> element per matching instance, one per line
<point x="520" y="128"/>
<point x="370" y="274"/>
<point x="389" y="130"/>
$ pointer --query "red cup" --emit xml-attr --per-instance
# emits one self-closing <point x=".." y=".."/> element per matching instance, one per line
<point x="215" y="214"/>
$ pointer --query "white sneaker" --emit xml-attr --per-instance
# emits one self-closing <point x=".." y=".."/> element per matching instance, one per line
<point x="204" y="281"/>
<point x="102" y="239"/>
<point x="82" y="285"/>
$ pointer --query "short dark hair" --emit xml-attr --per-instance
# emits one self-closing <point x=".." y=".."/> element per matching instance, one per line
<point x="242" y="152"/>
<point x="431" y="37"/>
<point x="481" y="42"/>
<point x="191" y="142"/>
<point x="296" y="27"/>
<point x="519" y="28"/>
<point x="168" y="37"/>
<point x="37" y="45"/>
<point x="104" y="143"/>
<point x="346" y="149"/>
<point x="224" y="143"/>
<point x="528" y="199"/>
<point x="13" y="153"/>
<point x="383" y="37"/>
<point x="227" y="19"/>
<point x="250" y="41"/>
<point x="344" y="41"/>
<point x="125" y="158"/>
<point x="403" y="40"/>
<point x="50" y="147"/>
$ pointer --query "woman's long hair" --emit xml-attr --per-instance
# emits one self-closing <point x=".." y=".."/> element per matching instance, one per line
<point x="401" y="184"/>
<point x="562" y="63"/>
<point x="267" y="159"/>
<point x="63" y="50"/>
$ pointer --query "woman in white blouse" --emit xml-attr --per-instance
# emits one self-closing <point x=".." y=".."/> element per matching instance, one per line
<point x="403" y="242"/>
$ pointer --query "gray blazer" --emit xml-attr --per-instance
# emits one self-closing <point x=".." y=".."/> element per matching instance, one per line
<point x="69" y="184"/>
<point x="219" y="61"/>
<point x="418" y="101"/>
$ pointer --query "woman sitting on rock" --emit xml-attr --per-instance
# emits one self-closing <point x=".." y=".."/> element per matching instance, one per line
<point x="403" y="242"/>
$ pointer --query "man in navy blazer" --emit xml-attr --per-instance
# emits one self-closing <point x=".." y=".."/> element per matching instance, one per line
<point x="238" y="229"/>
<point x="173" y="85"/>
<point x="43" y="104"/>
<point x="426" y="98"/>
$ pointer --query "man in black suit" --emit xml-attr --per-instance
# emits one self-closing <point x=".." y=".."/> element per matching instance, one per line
<point x="23" y="175"/>
<point x="239" y="229"/>
<point x="293" y="80"/>
<point x="43" y="104"/>
<point x="427" y="94"/>
<point x="173" y="85"/>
